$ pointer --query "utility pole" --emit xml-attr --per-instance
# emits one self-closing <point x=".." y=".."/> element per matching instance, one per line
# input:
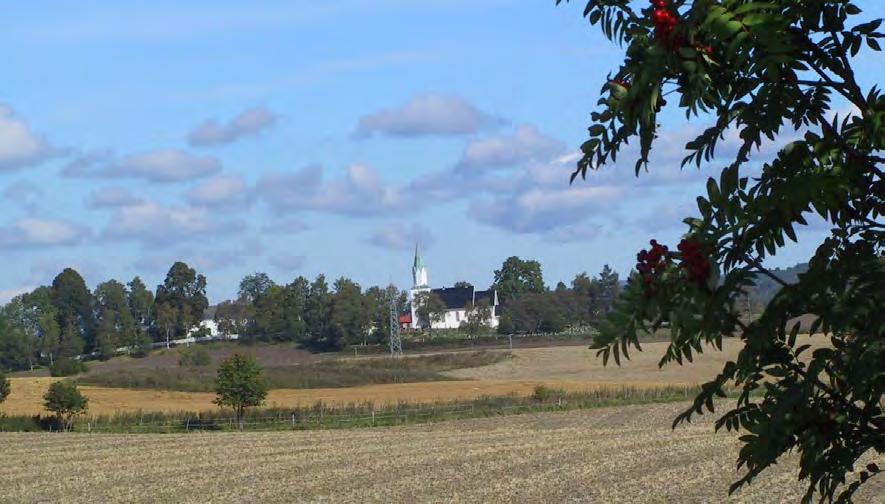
<point x="396" y="342"/>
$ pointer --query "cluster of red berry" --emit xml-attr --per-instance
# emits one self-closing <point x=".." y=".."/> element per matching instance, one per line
<point x="694" y="261"/>
<point x="664" y="19"/>
<point x="650" y="262"/>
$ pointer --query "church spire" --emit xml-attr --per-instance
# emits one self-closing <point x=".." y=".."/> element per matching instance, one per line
<point x="419" y="271"/>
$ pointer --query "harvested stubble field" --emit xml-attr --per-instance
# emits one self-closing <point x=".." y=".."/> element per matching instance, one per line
<point x="26" y="395"/>
<point x="625" y="454"/>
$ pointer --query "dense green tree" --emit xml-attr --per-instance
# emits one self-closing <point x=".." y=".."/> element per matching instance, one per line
<point x="517" y="277"/>
<point x="430" y="309"/>
<point x="5" y="387"/>
<point x="71" y="343"/>
<point x="65" y="401"/>
<point x="317" y="311"/>
<point x="606" y="288"/>
<point x="759" y="69"/>
<point x="240" y="385"/>
<point x="233" y="317"/>
<point x="184" y="290"/>
<point x="478" y="318"/>
<point x="73" y="305"/>
<point x="16" y="347"/>
<point x="349" y="321"/>
<point x="167" y="320"/>
<point x="463" y="285"/>
<point x="535" y="312"/>
<point x="253" y="286"/>
<point x="141" y="305"/>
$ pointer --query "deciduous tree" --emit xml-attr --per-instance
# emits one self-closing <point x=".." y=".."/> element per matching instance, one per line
<point x="759" y="68"/>
<point x="240" y="385"/>
<point x="65" y="401"/>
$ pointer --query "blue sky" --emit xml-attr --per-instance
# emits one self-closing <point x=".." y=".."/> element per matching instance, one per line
<point x="301" y="137"/>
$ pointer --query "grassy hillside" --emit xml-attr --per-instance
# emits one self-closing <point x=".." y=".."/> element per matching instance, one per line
<point x="310" y="373"/>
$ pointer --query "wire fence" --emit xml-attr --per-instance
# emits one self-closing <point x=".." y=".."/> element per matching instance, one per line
<point x="324" y="416"/>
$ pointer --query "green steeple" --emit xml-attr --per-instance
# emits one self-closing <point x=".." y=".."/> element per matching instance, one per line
<point x="419" y="262"/>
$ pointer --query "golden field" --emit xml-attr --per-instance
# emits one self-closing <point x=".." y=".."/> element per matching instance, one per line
<point x="573" y="368"/>
<point x="626" y="454"/>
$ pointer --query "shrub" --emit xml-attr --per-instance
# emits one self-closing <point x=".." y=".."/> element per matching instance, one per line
<point x="193" y="357"/>
<point x="4" y="387"/>
<point x="67" y="367"/>
<point x="65" y="400"/>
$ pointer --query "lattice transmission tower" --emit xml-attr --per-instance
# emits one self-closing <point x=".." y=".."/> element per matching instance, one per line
<point x="396" y="342"/>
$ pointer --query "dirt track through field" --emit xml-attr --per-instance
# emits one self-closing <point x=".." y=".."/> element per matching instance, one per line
<point x="624" y="454"/>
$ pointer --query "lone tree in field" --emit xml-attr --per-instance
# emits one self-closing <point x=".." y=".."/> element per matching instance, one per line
<point x="65" y="401"/>
<point x="758" y="68"/>
<point x="239" y="385"/>
<point x="4" y="387"/>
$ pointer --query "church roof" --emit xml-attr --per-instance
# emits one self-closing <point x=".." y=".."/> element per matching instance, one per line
<point x="456" y="298"/>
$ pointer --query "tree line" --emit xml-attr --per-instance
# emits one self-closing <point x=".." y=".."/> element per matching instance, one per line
<point x="54" y="323"/>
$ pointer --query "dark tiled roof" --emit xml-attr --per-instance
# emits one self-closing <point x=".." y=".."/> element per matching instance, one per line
<point x="486" y="295"/>
<point x="455" y="297"/>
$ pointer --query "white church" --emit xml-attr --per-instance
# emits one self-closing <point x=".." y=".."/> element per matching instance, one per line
<point x="456" y="299"/>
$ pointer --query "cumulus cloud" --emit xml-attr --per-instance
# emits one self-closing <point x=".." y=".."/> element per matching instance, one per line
<point x="25" y="193"/>
<point x="428" y="114"/>
<point x="19" y="146"/>
<point x="247" y="123"/>
<point x="286" y="263"/>
<point x="401" y="236"/>
<point x="360" y="192"/>
<point x="112" y="197"/>
<point x="225" y="191"/>
<point x="155" y="224"/>
<point x="523" y="145"/>
<point x="31" y="232"/>
<point x="165" y="165"/>
<point x="544" y="209"/>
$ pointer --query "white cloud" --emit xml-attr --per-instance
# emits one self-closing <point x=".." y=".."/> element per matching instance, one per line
<point x="287" y="263"/>
<point x="249" y="122"/>
<point x="401" y="236"/>
<point x="112" y="197"/>
<point x="19" y="146"/>
<point x="575" y="232"/>
<point x="30" y="232"/>
<point x="428" y="114"/>
<point x="225" y="191"/>
<point x="25" y="193"/>
<point x="152" y="223"/>
<point x="165" y="165"/>
<point x="359" y="193"/>
<point x="523" y="145"/>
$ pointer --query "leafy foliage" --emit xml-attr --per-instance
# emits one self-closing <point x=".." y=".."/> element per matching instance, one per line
<point x="240" y="385"/>
<point x="758" y="67"/>
<point x="67" y="367"/>
<point x="4" y="387"/>
<point x="65" y="400"/>
<point x="193" y="356"/>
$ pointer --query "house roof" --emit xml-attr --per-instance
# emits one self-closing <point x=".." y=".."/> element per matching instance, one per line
<point x="457" y="298"/>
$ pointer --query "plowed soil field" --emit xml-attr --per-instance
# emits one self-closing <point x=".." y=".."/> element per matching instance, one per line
<point x="626" y="454"/>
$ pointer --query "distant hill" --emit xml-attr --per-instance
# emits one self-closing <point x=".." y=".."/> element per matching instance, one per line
<point x="766" y="288"/>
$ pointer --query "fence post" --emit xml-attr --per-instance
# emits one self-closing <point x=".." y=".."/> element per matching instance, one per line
<point x="373" y="417"/>
<point x="293" y="420"/>
<point x="187" y="426"/>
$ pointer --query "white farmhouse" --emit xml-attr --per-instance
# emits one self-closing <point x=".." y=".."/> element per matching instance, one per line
<point x="456" y="299"/>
